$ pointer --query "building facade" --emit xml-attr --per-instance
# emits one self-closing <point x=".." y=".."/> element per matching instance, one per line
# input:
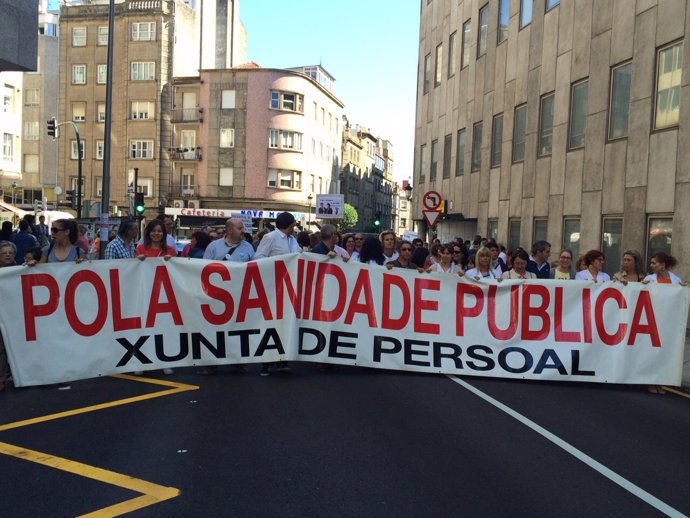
<point x="560" y="120"/>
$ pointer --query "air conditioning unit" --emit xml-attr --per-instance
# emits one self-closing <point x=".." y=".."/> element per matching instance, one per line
<point x="193" y="204"/>
<point x="178" y="204"/>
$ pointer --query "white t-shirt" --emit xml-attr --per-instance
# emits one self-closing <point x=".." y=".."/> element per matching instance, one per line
<point x="585" y="275"/>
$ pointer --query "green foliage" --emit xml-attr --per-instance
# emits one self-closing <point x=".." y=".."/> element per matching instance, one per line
<point x="350" y="217"/>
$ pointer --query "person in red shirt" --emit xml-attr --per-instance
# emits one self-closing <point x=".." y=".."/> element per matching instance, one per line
<point x="154" y="245"/>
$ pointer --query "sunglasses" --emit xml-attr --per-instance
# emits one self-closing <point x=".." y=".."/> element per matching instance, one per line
<point x="406" y="249"/>
<point x="55" y="229"/>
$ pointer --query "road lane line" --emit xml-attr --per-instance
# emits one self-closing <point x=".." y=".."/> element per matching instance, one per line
<point x="579" y="455"/>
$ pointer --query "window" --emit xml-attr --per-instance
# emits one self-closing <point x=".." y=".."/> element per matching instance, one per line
<point x="447" y="151"/>
<point x="274" y="139"/>
<point x="492" y="230"/>
<point x="496" y="140"/>
<point x="659" y="236"/>
<point x="546" y="125"/>
<point x="31" y="129"/>
<point x="31" y="163"/>
<point x="466" y="37"/>
<point x="451" y="54"/>
<point x="423" y="162"/>
<point x="477" y="147"/>
<point x="79" y="111"/>
<point x="188" y="141"/>
<point x="225" y="176"/>
<point x="100" y="112"/>
<point x="539" y="230"/>
<point x="619" y="108"/>
<point x="525" y="13"/>
<point x="141" y="149"/>
<point x="79" y="36"/>
<point x="578" y="115"/>
<point x="283" y="179"/>
<point x="8" y="99"/>
<point x="483" y="34"/>
<point x="460" y="153"/>
<point x="668" y="75"/>
<point x="102" y="35"/>
<point x="73" y="150"/>
<point x="439" y="65"/>
<point x="513" y="234"/>
<point x="434" y="160"/>
<point x="293" y="140"/>
<point x="571" y="236"/>
<point x="7" y="147"/>
<point x="102" y="74"/>
<point x="227" y="137"/>
<point x="142" y="110"/>
<point x="143" y="71"/>
<point x="288" y="101"/>
<point x="519" y="130"/>
<point x="227" y="101"/>
<point x="78" y="74"/>
<point x="144" y="31"/>
<point x="503" y="19"/>
<point x="187" y="181"/>
<point x="427" y="73"/>
<point x="32" y="97"/>
<point x="98" y="186"/>
<point x="611" y="239"/>
<point x="99" y="149"/>
<point x="550" y="4"/>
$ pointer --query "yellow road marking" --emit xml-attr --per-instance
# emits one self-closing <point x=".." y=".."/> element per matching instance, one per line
<point x="676" y="392"/>
<point x="150" y="493"/>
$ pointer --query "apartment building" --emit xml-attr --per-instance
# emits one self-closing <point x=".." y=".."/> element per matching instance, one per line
<point x="562" y="120"/>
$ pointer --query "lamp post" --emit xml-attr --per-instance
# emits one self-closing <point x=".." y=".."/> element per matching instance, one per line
<point x="14" y="187"/>
<point x="309" y="199"/>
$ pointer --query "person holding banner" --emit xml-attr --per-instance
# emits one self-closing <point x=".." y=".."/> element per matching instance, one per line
<point x="404" y="260"/>
<point x="372" y="252"/>
<point x="631" y="268"/>
<point x="388" y="238"/>
<point x="520" y="259"/>
<point x="563" y="270"/>
<point x="445" y="263"/>
<point x="482" y="269"/>
<point x="8" y="252"/>
<point x="594" y="266"/>
<point x="660" y="265"/>
<point x="124" y="244"/>
<point x="63" y="248"/>
<point x="155" y="242"/>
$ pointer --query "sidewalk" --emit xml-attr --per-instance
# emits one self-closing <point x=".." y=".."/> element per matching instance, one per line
<point x="686" y="362"/>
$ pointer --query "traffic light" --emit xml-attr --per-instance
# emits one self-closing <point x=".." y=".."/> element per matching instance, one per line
<point x="70" y="198"/>
<point x="139" y="203"/>
<point x="377" y="221"/>
<point x="52" y="128"/>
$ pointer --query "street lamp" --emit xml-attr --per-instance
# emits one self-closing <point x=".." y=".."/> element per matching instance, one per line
<point x="408" y="192"/>
<point x="309" y="199"/>
<point x="14" y="186"/>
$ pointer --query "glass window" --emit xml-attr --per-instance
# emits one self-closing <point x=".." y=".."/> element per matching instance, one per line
<point x="438" y="72"/>
<point x="497" y="140"/>
<point x="525" y="13"/>
<point x="143" y="71"/>
<point x="78" y="74"/>
<point x="550" y="4"/>
<point x="659" y="236"/>
<point x="492" y="231"/>
<point x="227" y="101"/>
<point x="423" y="162"/>
<point x="79" y="111"/>
<point x="31" y="129"/>
<point x="578" y="115"/>
<point x="546" y="125"/>
<point x="668" y="75"/>
<point x="434" y="160"/>
<point x="102" y="74"/>
<point x="32" y="97"/>
<point x="503" y="19"/>
<point x="288" y="101"/>
<point x="100" y="112"/>
<point x="513" y="234"/>
<point x="571" y="237"/>
<point x="227" y="137"/>
<point x="477" y="147"/>
<point x="8" y="147"/>
<point x="466" y="40"/>
<point x="539" y="230"/>
<point x="273" y="138"/>
<point x="519" y="130"/>
<point x="79" y="36"/>
<point x="99" y="150"/>
<point x="144" y="31"/>
<point x="142" y="110"/>
<point x="225" y="176"/>
<point x="611" y="244"/>
<point x="73" y="149"/>
<point x="451" y="54"/>
<point x="619" y="107"/>
<point x="427" y="73"/>
<point x="102" y="35"/>
<point x="141" y="149"/>
<point x="283" y="179"/>
<point x="447" y="151"/>
<point x="460" y="153"/>
<point x="483" y="33"/>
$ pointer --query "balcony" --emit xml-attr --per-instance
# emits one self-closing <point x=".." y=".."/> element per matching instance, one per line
<point x="185" y="154"/>
<point x="188" y="115"/>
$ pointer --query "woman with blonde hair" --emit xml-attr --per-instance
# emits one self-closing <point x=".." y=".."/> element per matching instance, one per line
<point x="388" y="239"/>
<point x="482" y="269"/>
<point x="631" y="268"/>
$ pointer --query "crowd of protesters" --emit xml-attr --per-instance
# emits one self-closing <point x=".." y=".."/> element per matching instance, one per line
<point x="480" y="259"/>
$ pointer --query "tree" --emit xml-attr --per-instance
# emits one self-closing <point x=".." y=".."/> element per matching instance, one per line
<point x="350" y="217"/>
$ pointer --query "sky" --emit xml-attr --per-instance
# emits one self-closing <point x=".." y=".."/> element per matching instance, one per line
<point x="369" y="46"/>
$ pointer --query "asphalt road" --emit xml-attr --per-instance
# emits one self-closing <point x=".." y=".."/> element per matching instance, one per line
<point x="351" y="442"/>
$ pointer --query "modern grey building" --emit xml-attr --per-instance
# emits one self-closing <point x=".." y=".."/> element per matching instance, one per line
<point x="561" y="120"/>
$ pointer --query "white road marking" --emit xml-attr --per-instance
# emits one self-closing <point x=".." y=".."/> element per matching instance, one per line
<point x="579" y="455"/>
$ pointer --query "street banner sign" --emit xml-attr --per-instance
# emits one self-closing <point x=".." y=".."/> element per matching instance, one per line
<point x="431" y="200"/>
<point x="431" y="216"/>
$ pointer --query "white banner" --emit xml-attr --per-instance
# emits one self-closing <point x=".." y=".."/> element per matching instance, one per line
<point x="63" y="322"/>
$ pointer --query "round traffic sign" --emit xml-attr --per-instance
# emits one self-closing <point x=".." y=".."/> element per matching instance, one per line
<point x="432" y="200"/>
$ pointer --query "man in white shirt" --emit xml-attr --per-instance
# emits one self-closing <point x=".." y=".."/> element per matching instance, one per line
<point x="278" y="242"/>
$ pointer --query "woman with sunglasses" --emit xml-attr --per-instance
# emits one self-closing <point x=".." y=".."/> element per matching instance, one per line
<point x="404" y="259"/>
<point x="155" y="242"/>
<point x="65" y="234"/>
<point x="594" y="268"/>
